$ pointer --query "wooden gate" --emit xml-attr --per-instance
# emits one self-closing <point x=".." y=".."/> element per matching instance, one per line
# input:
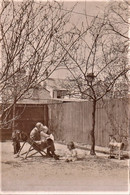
<point x="27" y="115"/>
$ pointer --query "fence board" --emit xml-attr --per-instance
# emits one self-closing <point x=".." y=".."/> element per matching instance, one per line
<point x="73" y="120"/>
<point x="76" y="121"/>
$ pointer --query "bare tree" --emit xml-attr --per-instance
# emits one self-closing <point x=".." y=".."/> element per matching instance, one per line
<point x="98" y="60"/>
<point x="29" y="49"/>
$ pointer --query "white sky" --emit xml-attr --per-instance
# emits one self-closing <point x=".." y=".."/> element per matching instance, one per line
<point x="92" y="9"/>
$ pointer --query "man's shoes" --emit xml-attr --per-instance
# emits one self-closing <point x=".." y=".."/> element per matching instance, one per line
<point x="56" y="157"/>
<point x="49" y="155"/>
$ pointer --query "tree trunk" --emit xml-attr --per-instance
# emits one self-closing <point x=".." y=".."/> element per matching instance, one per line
<point x="13" y="118"/>
<point x="92" y="133"/>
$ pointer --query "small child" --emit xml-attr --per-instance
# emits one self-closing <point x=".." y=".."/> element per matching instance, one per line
<point x="16" y="141"/>
<point x="17" y="137"/>
<point x="72" y="152"/>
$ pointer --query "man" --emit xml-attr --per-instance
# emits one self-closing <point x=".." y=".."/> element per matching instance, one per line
<point x="35" y="133"/>
<point x="40" y="134"/>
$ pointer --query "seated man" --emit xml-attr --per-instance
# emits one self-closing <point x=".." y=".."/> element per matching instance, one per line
<point x="40" y="134"/>
<point x="35" y="133"/>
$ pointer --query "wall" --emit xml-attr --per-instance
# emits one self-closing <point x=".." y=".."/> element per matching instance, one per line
<point x="72" y="120"/>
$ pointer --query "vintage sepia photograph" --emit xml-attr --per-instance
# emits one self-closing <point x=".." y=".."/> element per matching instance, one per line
<point x="64" y="97"/>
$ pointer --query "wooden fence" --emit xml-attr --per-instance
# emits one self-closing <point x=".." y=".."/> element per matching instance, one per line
<point x="73" y="120"/>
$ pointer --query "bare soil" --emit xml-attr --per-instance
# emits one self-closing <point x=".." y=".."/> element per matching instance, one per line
<point x="38" y="174"/>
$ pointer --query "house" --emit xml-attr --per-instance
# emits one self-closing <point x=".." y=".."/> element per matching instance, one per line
<point x="37" y="94"/>
<point x="54" y="86"/>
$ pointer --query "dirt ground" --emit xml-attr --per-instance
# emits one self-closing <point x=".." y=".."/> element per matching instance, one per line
<point x="38" y="174"/>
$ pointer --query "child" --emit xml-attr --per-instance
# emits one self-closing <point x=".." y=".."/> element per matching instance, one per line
<point x="72" y="153"/>
<point x="17" y="136"/>
<point x="16" y="141"/>
<point x="47" y="140"/>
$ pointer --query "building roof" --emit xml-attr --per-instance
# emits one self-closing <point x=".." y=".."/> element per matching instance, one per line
<point x="50" y="101"/>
